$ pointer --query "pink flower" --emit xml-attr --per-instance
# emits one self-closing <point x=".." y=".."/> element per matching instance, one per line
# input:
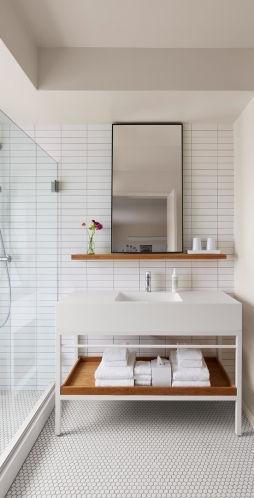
<point x="95" y="226"/>
<point x="98" y="226"/>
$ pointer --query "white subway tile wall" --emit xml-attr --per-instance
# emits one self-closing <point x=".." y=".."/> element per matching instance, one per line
<point x="84" y="156"/>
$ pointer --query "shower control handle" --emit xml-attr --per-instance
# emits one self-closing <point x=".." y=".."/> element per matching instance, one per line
<point x="5" y="258"/>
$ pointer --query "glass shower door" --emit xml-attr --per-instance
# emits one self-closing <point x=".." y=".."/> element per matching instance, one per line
<point x="28" y="223"/>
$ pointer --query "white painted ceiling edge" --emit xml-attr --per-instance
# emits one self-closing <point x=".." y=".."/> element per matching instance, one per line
<point x="20" y="100"/>
<point x="114" y="69"/>
<point x="129" y="68"/>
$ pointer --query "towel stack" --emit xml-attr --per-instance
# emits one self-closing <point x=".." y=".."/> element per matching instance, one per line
<point x="189" y="368"/>
<point x="142" y="373"/>
<point x="116" y="368"/>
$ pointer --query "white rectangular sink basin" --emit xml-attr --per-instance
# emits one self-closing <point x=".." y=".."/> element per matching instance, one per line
<point x="125" y="312"/>
<point x="149" y="297"/>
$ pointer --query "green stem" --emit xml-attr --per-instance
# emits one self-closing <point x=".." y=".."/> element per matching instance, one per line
<point x="90" y="241"/>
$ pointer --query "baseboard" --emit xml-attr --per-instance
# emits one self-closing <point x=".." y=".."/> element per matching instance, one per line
<point x="248" y="414"/>
<point x="16" y="452"/>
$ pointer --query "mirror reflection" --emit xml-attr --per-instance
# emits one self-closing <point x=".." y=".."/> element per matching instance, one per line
<point x="147" y="188"/>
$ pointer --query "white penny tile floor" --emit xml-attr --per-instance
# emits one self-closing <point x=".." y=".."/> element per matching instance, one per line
<point x="140" y="450"/>
<point x="15" y="406"/>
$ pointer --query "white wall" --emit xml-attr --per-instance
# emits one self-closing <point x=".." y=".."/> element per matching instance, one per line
<point x="84" y="155"/>
<point x="244" y="242"/>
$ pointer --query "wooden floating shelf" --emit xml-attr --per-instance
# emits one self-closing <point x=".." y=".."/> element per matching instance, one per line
<point x="130" y="255"/>
<point x="80" y="381"/>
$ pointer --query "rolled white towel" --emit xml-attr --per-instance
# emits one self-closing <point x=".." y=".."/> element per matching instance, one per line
<point x="189" y="353"/>
<point x="142" y="377"/>
<point x="115" y="354"/>
<point x="141" y="382"/>
<point x="116" y="373"/>
<point x="142" y="368"/>
<point x="114" y="382"/>
<point x="182" y="362"/>
<point x="191" y="383"/>
<point x="183" y="374"/>
<point x="120" y="363"/>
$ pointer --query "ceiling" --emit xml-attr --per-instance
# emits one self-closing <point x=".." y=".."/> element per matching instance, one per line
<point x="82" y="61"/>
<point x="25" y="105"/>
<point x="139" y="23"/>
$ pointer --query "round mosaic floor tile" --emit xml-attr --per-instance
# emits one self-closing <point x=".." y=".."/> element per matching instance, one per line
<point x="111" y="449"/>
<point x="15" y="406"/>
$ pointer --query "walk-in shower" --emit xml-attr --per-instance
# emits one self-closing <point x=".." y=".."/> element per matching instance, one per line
<point x="28" y="274"/>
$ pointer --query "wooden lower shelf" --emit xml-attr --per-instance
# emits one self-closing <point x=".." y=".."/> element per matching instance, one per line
<point x="80" y="381"/>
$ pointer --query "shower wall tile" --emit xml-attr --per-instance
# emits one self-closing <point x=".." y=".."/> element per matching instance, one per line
<point x="84" y="156"/>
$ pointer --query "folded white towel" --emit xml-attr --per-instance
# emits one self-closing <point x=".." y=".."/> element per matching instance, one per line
<point x="113" y="382"/>
<point x="115" y="354"/>
<point x="142" y="377"/>
<point x="142" y="368"/>
<point x="141" y="382"/>
<point x="182" y="362"/>
<point x="189" y="354"/>
<point x="116" y="373"/>
<point x="180" y="373"/>
<point x="120" y="363"/>
<point x="191" y="383"/>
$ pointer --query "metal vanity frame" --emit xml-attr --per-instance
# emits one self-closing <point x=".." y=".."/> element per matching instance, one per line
<point x="237" y="334"/>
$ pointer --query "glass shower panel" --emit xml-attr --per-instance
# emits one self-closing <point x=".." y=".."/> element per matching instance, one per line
<point x="46" y="271"/>
<point x="22" y="248"/>
<point x="5" y="331"/>
<point x="28" y="221"/>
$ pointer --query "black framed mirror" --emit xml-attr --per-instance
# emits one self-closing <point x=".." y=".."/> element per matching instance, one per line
<point x="147" y="188"/>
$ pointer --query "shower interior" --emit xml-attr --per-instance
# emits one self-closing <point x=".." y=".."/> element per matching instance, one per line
<point x="28" y="275"/>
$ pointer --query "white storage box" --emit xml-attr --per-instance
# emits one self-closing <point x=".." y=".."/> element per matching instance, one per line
<point x="161" y="374"/>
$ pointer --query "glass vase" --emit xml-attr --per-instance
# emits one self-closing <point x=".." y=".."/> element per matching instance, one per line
<point x="91" y="245"/>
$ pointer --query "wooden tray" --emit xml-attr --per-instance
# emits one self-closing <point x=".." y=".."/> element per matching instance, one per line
<point x="81" y="381"/>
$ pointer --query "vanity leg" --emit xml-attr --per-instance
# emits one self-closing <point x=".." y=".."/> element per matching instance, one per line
<point x="238" y="418"/>
<point x="238" y="382"/>
<point x="58" y="416"/>
<point x="58" y="385"/>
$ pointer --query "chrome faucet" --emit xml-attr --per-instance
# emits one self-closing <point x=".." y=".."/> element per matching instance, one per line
<point x="148" y="281"/>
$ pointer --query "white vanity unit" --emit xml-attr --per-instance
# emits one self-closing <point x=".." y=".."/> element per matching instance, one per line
<point x="194" y="313"/>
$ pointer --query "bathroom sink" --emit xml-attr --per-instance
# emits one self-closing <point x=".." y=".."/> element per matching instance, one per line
<point x="149" y="297"/>
<point x="134" y="313"/>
